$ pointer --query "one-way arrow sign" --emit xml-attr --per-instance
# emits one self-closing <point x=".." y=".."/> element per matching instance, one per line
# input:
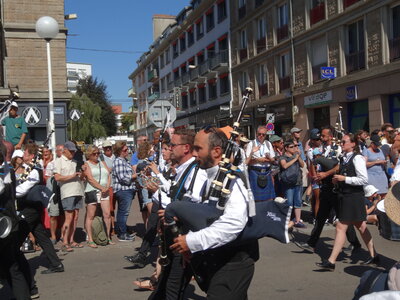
<point x="74" y="115"/>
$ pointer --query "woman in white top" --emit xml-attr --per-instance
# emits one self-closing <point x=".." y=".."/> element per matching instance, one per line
<point x="97" y="191"/>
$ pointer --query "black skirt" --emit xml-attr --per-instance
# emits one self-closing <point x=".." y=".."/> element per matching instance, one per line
<point x="352" y="207"/>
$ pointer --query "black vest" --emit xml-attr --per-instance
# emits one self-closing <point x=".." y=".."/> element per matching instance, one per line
<point x="348" y="169"/>
<point x="177" y="191"/>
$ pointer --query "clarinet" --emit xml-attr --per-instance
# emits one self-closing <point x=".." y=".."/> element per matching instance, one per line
<point x="35" y="159"/>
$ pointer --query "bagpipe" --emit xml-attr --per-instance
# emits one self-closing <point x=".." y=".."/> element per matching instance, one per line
<point x="271" y="218"/>
<point x="7" y="103"/>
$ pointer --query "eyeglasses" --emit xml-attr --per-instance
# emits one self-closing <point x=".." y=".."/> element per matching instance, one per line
<point x="125" y="150"/>
<point x="107" y="148"/>
<point x="96" y="153"/>
<point x="172" y="145"/>
<point x="261" y="134"/>
<point x="293" y="146"/>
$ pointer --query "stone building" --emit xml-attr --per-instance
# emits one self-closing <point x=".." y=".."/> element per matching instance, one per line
<point x="279" y="47"/>
<point x="23" y="63"/>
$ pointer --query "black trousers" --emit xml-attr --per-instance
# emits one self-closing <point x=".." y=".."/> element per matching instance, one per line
<point x="33" y="218"/>
<point x="151" y="231"/>
<point x="328" y="201"/>
<point x="14" y="266"/>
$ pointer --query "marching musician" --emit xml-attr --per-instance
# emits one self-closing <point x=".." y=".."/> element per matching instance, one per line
<point x="32" y="213"/>
<point x="226" y="270"/>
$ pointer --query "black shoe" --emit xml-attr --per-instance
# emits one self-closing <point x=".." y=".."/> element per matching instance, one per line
<point x="139" y="260"/>
<point x="327" y="265"/>
<point x="372" y="260"/>
<point x="125" y="238"/>
<point x="305" y="246"/>
<point x="52" y="270"/>
<point x="34" y="292"/>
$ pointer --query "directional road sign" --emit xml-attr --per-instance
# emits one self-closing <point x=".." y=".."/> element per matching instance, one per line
<point x="32" y="115"/>
<point x="158" y="112"/>
<point x="270" y="118"/>
<point x="74" y="115"/>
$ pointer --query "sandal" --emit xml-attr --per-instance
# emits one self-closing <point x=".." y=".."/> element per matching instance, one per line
<point x="66" y="248"/>
<point x="110" y="242"/>
<point x="76" y="245"/>
<point x="92" y="245"/>
<point x="145" y="285"/>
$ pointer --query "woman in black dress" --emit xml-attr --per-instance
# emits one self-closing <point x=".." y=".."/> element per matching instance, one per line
<point x="350" y="181"/>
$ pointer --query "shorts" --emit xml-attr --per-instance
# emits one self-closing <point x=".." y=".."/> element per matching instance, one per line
<point x="72" y="203"/>
<point x="54" y="208"/>
<point x="100" y="197"/>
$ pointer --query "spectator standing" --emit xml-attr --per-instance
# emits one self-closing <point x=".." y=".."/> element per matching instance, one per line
<point x="296" y="132"/>
<point x="71" y="188"/>
<point x="387" y="130"/>
<point x="97" y="191"/>
<point x="277" y="144"/>
<point x="140" y="140"/>
<point x="16" y="129"/>
<point x="123" y="183"/>
<point x="261" y="155"/>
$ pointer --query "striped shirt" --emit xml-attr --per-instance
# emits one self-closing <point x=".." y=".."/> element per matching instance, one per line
<point x="122" y="175"/>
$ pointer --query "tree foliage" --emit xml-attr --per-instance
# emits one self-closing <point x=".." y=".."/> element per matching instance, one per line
<point x="97" y="93"/>
<point x="127" y="120"/>
<point x="89" y="126"/>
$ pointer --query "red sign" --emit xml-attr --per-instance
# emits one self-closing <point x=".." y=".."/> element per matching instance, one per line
<point x="270" y="126"/>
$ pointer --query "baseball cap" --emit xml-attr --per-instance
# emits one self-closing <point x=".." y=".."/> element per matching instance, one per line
<point x="18" y="153"/>
<point x="295" y="129"/>
<point x="70" y="146"/>
<point x="275" y="138"/>
<point x="107" y="144"/>
<point x="369" y="190"/>
<point x="375" y="139"/>
<point x="315" y="136"/>
<point x="14" y="104"/>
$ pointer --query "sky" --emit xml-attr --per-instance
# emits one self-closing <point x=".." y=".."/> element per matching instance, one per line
<point x="119" y="25"/>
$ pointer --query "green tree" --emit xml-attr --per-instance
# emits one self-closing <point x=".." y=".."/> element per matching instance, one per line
<point x="97" y="93"/>
<point x="89" y="126"/>
<point x="127" y="120"/>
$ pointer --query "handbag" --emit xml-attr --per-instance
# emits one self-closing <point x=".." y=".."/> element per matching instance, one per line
<point x="262" y="180"/>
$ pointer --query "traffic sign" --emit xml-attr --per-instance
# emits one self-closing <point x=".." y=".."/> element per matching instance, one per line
<point x="75" y="115"/>
<point x="32" y="115"/>
<point x="270" y="127"/>
<point x="270" y="118"/>
<point x="159" y="110"/>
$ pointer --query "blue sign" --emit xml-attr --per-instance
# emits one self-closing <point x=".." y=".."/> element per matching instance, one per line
<point x="351" y="92"/>
<point x="328" y="72"/>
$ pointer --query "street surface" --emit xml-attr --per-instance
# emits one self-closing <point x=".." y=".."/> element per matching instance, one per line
<point x="283" y="271"/>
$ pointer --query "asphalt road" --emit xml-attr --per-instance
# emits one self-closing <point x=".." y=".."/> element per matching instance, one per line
<point x="283" y="271"/>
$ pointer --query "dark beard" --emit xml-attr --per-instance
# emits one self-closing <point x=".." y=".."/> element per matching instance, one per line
<point x="207" y="163"/>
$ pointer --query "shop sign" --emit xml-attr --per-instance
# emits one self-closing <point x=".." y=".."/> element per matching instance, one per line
<point x="328" y="72"/>
<point x="318" y="99"/>
<point x="351" y="93"/>
<point x="224" y="109"/>
<point x="261" y="110"/>
<point x="246" y="118"/>
<point x="281" y="111"/>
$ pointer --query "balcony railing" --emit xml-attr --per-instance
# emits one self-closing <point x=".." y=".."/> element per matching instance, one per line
<point x="263" y="89"/>
<point x="317" y="13"/>
<point x="394" y="48"/>
<point x="258" y="3"/>
<point x="170" y="85"/>
<point x="242" y="12"/>
<point x="243" y="54"/>
<point x="153" y="96"/>
<point x="185" y="78"/>
<point x="203" y="67"/>
<point x="132" y="92"/>
<point x="178" y="82"/>
<point x="355" y="61"/>
<point x="284" y="83"/>
<point x="347" y="3"/>
<point x="261" y="44"/>
<point x="152" y="75"/>
<point x="219" y="59"/>
<point x="282" y="32"/>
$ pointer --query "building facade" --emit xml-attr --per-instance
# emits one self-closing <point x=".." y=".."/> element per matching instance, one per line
<point x="23" y="64"/>
<point x="75" y="72"/>
<point x="279" y="47"/>
<point x="189" y="65"/>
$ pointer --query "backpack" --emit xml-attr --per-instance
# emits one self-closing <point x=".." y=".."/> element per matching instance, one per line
<point x="98" y="232"/>
<point x="289" y="176"/>
<point x="373" y="280"/>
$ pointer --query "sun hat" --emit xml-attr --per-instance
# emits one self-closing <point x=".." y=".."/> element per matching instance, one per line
<point x="18" y="153"/>
<point x="369" y="190"/>
<point x="392" y="203"/>
<point x="107" y="144"/>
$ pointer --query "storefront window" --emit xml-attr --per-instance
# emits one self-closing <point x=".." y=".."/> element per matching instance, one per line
<point x="321" y="117"/>
<point x="358" y="116"/>
<point x="394" y="108"/>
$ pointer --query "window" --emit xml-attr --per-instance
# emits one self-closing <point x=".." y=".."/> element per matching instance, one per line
<point x="261" y="34"/>
<point x="242" y="9"/>
<point x="162" y="85"/>
<point x="283" y="19"/>
<point x="162" y="60"/>
<point x="394" y="109"/>
<point x="211" y="50"/>
<point x="183" y="68"/>
<point x="262" y="80"/>
<point x="221" y="10"/>
<point x="223" y="43"/>
<point x="200" y="57"/>
<point x="175" y="49"/>
<point x="212" y="89"/>
<point x="243" y="81"/>
<point x="394" y="41"/>
<point x="192" y="94"/>
<point x="317" y="11"/>
<point x="167" y="57"/>
<point x="321" y="117"/>
<point x="224" y="83"/>
<point x="355" y="58"/>
<point x="358" y="115"/>
<point x="182" y="42"/>
<point x="202" y="93"/>
<point x="190" y="37"/>
<point x="243" y="45"/>
<point x="210" y="19"/>
<point x="319" y="57"/>
<point x="176" y="73"/>
<point x="284" y="71"/>
<point x="347" y="3"/>
<point x="199" y="28"/>
<point x="185" y="101"/>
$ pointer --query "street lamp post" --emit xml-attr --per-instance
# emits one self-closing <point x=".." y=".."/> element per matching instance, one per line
<point x="47" y="28"/>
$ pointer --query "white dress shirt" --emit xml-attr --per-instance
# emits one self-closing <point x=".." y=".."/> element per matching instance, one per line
<point x="228" y="226"/>
<point x="265" y="148"/>
<point x="361" y="170"/>
<point x="23" y="188"/>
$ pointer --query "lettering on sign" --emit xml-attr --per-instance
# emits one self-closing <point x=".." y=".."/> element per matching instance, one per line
<point x="32" y="115"/>
<point x="317" y="99"/>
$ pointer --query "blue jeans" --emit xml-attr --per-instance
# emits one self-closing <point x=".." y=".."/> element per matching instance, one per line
<point x="124" y="199"/>
<point x="293" y="196"/>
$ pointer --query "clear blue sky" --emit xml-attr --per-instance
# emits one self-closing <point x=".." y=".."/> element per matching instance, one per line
<point x="123" y="25"/>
